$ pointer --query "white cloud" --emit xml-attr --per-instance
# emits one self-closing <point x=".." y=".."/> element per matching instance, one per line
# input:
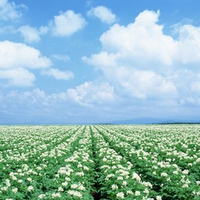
<point x="64" y="58"/>
<point x="141" y="62"/>
<point x="7" y="29"/>
<point x="17" y="77"/>
<point x="10" y="11"/>
<point x="103" y="13"/>
<point x="90" y="93"/>
<point x="29" y="34"/>
<point x="189" y="44"/>
<point x="16" y="61"/>
<point x="143" y="84"/>
<point x="16" y="55"/>
<point x="195" y="87"/>
<point x="142" y="70"/>
<point x="40" y="107"/>
<point x="139" y="40"/>
<point x="67" y="23"/>
<point x="59" y="75"/>
<point x="102" y="60"/>
<point x="43" y="30"/>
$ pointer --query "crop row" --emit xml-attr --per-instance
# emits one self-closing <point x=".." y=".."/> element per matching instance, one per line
<point x="100" y="162"/>
<point x="170" y="161"/>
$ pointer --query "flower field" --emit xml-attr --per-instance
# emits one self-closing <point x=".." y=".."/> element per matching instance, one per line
<point x="108" y="162"/>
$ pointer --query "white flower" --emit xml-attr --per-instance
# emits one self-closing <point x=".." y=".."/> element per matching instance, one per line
<point x="29" y="179"/>
<point x="147" y="184"/>
<point x="120" y="178"/>
<point x="146" y="191"/>
<point x="39" y="168"/>
<point x="67" y="179"/>
<point x="185" y="171"/>
<point x="14" y="178"/>
<point x="8" y="183"/>
<point x="30" y="188"/>
<point x="85" y="168"/>
<point x="164" y="174"/>
<point x="158" y="198"/>
<point x="80" y="166"/>
<point x="124" y="183"/>
<point x="114" y="187"/>
<point x="79" y="173"/>
<point x="64" y="183"/>
<point x="129" y="192"/>
<point x="41" y="196"/>
<point x="62" y="170"/>
<point x="81" y="187"/>
<point x="74" y="186"/>
<point x="185" y="185"/>
<point x="19" y="181"/>
<point x="137" y="193"/>
<point x="109" y="176"/>
<point x="168" y="179"/>
<point x="14" y="190"/>
<point x="55" y="195"/>
<point x="120" y="195"/>
<point x="74" y="193"/>
<point x="136" y="176"/>
<point x="198" y="160"/>
<point x="4" y="188"/>
<point x="67" y="173"/>
<point x="60" y="189"/>
<point x="78" y="194"/>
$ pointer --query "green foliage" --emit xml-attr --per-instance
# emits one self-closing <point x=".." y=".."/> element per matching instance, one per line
<point x="111" y="162"/>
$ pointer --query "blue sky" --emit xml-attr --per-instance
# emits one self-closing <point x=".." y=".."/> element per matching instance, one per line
<point x="77" y="61"/>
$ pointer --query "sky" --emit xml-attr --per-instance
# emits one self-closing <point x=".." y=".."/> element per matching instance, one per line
<point x="93" y="61"/>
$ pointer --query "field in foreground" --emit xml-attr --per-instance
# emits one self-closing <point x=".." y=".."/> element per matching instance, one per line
<point x="100" y="162"/>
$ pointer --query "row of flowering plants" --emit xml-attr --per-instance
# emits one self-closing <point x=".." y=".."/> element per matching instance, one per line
<point x="108" y="162"/>
<point x="75" y="178"/>
<point x="31" y="155"/>
<point x="117" y="179"/>
<point x="166" y="156"/>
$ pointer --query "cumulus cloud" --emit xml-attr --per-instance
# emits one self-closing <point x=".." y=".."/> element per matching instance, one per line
<point x="144" y="84"/>
<point x="60" y="57"/>
<point x="15" y="55"/>
<point x="142" y="39"/>
<point x="59" y="75"/>
<point x="17" y="77"/>
<point x="103" y="13"/>
<point x="29" y="34"/>
<point x="67" y="23"/>
<point x="16" y="61"/>
<point x="92" y="93"/>
<point x="10" y="11"/>
<point x="37" y="106"/>
<point x="189" y="44"/>
<point x="141" y="62"/>
<point x="142" y="70"/>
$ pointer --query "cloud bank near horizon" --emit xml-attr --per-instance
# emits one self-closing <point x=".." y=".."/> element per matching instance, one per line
<point x="140" y="70"/>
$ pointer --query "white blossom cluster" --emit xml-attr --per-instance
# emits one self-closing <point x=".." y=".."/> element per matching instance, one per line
<point x="127" y="162"/>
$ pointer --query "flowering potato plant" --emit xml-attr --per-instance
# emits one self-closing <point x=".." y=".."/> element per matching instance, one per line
<point x="110" y="162"/>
